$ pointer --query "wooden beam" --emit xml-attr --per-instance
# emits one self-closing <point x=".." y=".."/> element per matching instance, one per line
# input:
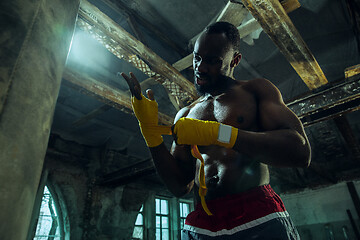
<point x="352" y="71"/>
<point x="244" y="29"/>
<point x="234" y="12"/>
<point x="123" y="42"/>
<point x="338" y="99"/>
<point x="184" y="63"/>
<point x="329" y="103"/>
<point x="277" y="24"/>
<point x="290" y="5"/>
<point x="107" y="94"/>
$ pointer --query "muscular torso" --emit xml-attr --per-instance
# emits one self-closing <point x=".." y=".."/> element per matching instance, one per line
<point x="228" y="171"/>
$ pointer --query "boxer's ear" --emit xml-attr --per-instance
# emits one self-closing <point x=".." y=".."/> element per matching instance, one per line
<point x="236" y="59"/>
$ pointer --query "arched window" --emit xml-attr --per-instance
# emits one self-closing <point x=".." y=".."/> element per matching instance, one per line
<point x="48" y="226"/>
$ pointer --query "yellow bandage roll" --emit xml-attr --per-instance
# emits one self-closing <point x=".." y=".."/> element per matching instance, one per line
<point x="146" y="111"/>
<point x="203" y="133"/>
<point x="202" y="188"/>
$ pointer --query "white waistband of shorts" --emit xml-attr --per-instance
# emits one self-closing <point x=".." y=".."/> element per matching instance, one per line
<point x="242" y="227"/>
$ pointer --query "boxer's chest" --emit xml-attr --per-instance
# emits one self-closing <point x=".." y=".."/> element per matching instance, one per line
<point x="239" y="110"/>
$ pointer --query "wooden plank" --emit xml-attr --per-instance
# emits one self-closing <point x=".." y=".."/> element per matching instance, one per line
<point x="352" y="71"/>
<point x="234" y="12"/>
<point x="107" y="94"/>
<point x="329" y="103"/>
<point x="290" y="5"/>
<point x="244" y="30"/>
<point x="131" y="45"/>
<point x="277" y="24"/>
<point x="184" y="62"/>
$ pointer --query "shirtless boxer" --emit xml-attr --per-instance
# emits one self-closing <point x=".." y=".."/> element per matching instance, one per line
<point x="257" y="130"/>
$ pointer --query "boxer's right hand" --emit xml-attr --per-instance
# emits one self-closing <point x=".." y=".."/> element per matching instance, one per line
<point x="146" y="111"/>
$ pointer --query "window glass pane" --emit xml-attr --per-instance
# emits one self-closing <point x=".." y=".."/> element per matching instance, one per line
<point x="157" y="234"/>
<point x="186" y="209"/>
<point x="141" y="209"/>
<point x="139" y="219"/>
<point x="157" y="206"/>
<point x="164" y="222"/>
<point x="165" y="234"/>
<point x="157" y="221"/>
<point x="138" y="233"/>
<point x="164" y="206"/>
<point x="48" y="223"/>
<point x="181" y="210"/>
<point x="182" y="223"/>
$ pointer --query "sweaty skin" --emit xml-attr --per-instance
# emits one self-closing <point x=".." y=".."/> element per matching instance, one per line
<point x="226" y="170"/>
<point x="269" y="133"/>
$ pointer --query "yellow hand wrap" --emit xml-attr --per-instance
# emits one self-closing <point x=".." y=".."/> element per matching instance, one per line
<point x="202" y="188"/>
<point x="146" y="111"/>
<point x="203" y="133"/>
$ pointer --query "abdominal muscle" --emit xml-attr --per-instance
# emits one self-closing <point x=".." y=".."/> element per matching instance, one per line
<point x="228" y="172"/>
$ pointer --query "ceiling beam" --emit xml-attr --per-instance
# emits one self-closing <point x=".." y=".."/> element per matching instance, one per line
<point x="344" y="97"/>
<point x="105" y="93"/>
<point x="244" y="29"/>
<point x="276" y="23"/>
<point x="234" y="12"/>
<point x="352" y="71"/>
<point x="125" y="46"/>
<point x="329" y="103"/>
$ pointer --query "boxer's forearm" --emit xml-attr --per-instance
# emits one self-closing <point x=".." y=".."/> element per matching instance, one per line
<point x="177" y="176"/>
<point x="282" y="148"/>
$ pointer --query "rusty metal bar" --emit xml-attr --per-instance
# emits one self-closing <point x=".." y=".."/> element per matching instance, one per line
<point x="276" y="23"/>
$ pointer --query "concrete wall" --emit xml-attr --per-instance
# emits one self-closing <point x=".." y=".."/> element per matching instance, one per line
<point x="314" y="211"/>
<point x="34" y="42"/>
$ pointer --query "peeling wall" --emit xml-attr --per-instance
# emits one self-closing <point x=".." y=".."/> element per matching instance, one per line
<point x="93" y="212"/>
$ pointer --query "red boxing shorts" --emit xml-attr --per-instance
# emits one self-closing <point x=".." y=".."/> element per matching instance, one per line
<point x="255" y="214"/>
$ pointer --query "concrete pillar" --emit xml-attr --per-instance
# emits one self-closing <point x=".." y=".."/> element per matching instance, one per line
<point x="35" y="37"/>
